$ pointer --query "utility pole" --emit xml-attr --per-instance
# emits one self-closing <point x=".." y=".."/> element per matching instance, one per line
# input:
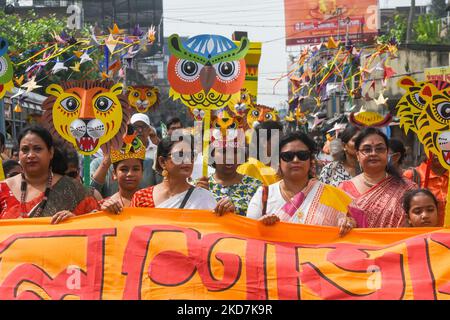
<point x="410" y="21"/>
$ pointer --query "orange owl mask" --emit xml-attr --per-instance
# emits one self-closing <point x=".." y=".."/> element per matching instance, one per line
<point x="207" y="71"/>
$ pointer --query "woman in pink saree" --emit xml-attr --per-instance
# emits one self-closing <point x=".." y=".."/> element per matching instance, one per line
<point x="379" y="189"/>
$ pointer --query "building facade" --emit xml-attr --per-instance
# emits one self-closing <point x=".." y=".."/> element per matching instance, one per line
<point x="148" y="65"/>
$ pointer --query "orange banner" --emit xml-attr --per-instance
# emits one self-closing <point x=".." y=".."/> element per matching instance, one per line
<point x="174" y="254"/>
<point x="314" y="21"/>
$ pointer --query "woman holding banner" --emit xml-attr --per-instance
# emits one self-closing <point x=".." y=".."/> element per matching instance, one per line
<point x="175" y="162"/>
<point x="226" y="182"/>
<point x="42" y="190"/>
<point x="298" y="198"/>
<point x="379" y="189"/>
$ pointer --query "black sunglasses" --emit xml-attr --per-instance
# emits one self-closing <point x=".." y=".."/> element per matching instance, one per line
<point x="289" y="156"/>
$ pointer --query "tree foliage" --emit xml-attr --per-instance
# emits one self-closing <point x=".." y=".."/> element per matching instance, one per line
<point x="427" y="30"/>
<point x="28" y="34"/>
<point x="397" y="31"/>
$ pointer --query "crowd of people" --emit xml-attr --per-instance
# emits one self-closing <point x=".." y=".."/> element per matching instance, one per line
<point x="364" y="187"/>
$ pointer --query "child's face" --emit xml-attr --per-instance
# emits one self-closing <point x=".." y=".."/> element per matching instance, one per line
<point x="423" y="211"/>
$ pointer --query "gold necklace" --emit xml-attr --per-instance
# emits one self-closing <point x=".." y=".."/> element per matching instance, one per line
<point x="284" y="192"/>
<point x="369" y="184"/>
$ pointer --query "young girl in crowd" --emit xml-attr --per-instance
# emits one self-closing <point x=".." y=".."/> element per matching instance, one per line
<point x="420" y="206"/>
<point x="128" y="169"/>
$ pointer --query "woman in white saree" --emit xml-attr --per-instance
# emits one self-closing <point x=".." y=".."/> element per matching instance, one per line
<point x="175" y="163"/>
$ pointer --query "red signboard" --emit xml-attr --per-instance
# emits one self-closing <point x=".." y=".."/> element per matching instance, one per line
<point x="314" y="21"/>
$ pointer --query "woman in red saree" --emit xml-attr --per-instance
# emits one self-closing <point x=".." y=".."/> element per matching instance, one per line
<point x="42" y="190"/>
<point x="379" y="189"/>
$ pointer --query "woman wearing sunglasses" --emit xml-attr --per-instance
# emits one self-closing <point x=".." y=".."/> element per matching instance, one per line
<point x="298" y="198"/>
<point x="175" y="162"/>
<point x="379" y="189"/>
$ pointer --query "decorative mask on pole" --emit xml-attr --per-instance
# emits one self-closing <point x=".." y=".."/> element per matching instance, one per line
<point x="207" y="71"/>
<point x="143" y="98"/>
<point x="88" y="114"/>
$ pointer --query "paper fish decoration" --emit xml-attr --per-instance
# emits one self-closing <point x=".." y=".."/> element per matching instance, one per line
<point x="78" y="54"/>
<point x="381" y="100"/>
<point x="31" y="85"/>
<point x="115" y="66"/>
<point x="331" y="44"/>
<point x="19" y="81"/>
<point x="76" y="67"/>
<point x="111" y="43"/>
<point x="116" y="30"/>
<point x="105" y="76"/>
<point x="85" y="58"/>
<point x="17" y="108"/>
<point x="370" y="119"/>
<point x="151" y="34"/>
<point x="59" y="66"/>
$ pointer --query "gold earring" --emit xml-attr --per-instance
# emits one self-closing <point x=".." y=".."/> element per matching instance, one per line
<point x="165" y="174"/>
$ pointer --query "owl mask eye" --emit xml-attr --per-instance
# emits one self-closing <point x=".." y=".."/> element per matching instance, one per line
<point x="188" y="70"/>
<point x="255" y="113"/>
<point x="228" y="70"/>
<point x="3" y="66"/>
<point x="269" y="116"/>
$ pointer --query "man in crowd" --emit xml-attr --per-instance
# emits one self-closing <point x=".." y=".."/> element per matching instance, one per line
<point x="146" y="133"/>
<point x="173" y="124"/>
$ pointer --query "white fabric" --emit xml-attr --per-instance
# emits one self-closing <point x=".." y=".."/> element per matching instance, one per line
<point x="306" y="205"/>
<point x="199" y="199"/>
<point x="197" y="173"/>
<point x="140" y="117"/>
<point x="150" y="152"/>
<point x="274" y="203"/>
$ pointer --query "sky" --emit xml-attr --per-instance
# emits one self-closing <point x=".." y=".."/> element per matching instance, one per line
<point x="262" y="19"/>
